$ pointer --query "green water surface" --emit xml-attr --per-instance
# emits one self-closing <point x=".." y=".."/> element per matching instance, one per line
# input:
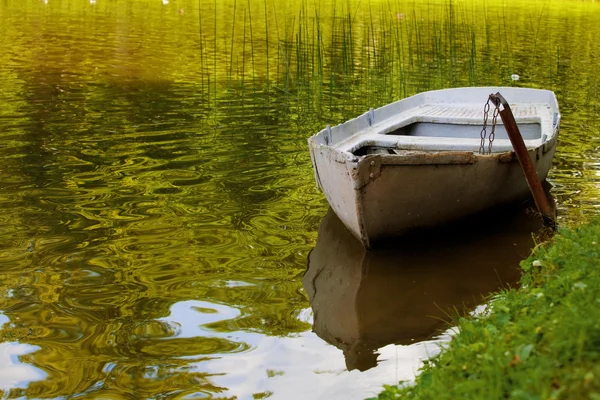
<point x="157" y="201"/>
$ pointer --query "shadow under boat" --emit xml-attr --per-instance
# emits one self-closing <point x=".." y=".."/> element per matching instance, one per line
<point x="406" y="291"/>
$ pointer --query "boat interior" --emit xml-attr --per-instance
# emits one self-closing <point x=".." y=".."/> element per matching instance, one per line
<point x="531" y="133"/>
<point x="445" y="120"/>
<point x="448" y="128"/>
<point x="431" y="129"/>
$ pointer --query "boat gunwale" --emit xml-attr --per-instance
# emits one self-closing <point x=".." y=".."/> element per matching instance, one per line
<point x="376" y="135"/>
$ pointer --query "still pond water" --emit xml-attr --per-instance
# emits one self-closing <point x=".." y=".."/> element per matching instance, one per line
<point x="158" y="209"/>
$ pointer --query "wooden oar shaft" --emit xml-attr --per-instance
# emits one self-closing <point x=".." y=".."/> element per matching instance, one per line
<point x="535" y="185"/>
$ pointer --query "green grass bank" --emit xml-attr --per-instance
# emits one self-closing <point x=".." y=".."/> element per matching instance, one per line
<point x="541" y="341"/>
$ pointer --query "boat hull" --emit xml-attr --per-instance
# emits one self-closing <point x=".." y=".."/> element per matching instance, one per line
<point x="402" y="197"/>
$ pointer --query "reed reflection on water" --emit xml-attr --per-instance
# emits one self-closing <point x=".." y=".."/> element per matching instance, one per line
<point x="157" y="203"/>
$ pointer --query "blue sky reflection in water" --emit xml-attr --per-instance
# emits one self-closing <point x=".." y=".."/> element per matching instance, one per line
<point x="297" y="366"/>
<point x="157" y="200"/>
<point x="13" y="372"/>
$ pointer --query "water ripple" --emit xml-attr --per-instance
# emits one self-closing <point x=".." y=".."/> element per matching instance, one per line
<point x="156" y="210"/>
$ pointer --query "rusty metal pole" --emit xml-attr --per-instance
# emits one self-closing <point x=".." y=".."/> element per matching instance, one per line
<point x="535" y="185"/>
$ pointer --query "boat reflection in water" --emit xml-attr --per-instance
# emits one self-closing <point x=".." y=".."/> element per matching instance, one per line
<point x="405" y="292"/>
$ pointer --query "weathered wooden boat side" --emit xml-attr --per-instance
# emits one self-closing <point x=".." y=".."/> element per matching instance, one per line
<point x="416" y="162"/>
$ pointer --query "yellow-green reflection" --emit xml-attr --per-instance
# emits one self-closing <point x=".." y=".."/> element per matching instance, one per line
<point x="155" y="154"/>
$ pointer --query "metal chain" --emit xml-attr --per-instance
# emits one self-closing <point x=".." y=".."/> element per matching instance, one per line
<point x="493" y="132"/>
<point x="483" y="134"/>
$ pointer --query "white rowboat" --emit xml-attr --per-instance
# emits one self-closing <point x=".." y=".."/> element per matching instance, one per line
<point x="415" y="163"/>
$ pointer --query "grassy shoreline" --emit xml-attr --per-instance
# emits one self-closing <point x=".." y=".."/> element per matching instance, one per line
<point x="541" y="341"/>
